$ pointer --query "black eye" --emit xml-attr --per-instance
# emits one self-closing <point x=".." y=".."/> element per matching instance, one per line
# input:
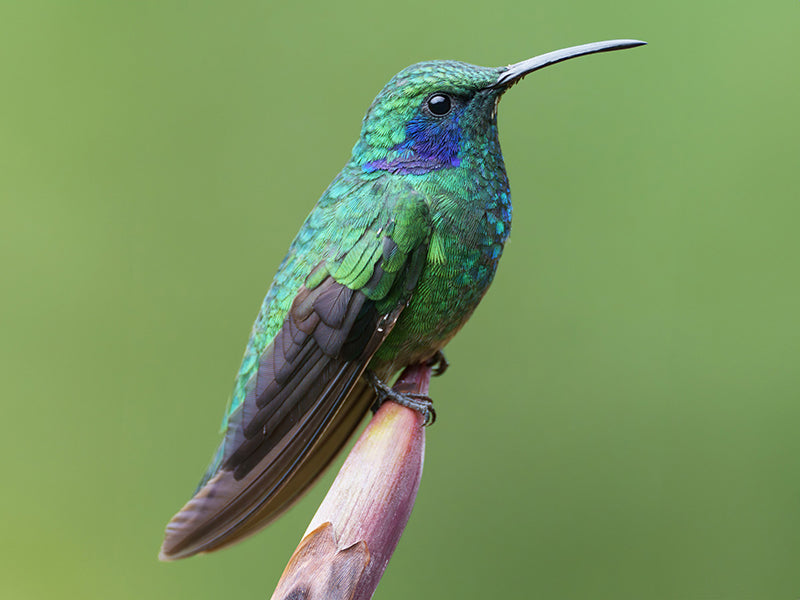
<point x="439" y="104"/>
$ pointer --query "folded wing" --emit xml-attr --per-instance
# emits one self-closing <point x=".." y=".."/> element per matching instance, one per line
<point x="307" y="395"/>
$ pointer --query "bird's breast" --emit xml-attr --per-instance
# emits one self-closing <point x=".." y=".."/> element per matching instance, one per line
<point x="463" y="254"/>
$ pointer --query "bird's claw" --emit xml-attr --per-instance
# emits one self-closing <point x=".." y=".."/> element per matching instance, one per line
<point x="418" y="402"/>
<point x="438" y="363"/>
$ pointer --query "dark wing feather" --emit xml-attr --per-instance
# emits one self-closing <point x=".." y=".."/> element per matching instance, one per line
<point x="307" y="399"/>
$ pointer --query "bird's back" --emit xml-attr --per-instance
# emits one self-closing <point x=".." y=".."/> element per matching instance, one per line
<point x="299" y="393"/>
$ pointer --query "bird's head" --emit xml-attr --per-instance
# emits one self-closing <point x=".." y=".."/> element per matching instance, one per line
<point x="432" y="115"/>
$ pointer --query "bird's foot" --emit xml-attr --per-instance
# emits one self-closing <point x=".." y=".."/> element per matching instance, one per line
<point x="418" y="402"/>
<point x="438" y="363"/>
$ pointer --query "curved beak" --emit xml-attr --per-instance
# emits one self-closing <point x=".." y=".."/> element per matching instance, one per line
<point x="516" y="72"/>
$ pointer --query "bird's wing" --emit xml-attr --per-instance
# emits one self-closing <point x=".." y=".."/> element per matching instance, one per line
<point x="307" y="395"/>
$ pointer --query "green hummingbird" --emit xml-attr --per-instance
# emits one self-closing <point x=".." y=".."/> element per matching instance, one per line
<point x="390" y="263"/>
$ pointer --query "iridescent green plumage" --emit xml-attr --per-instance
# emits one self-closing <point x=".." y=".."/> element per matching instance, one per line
<point x="388" y="266"/>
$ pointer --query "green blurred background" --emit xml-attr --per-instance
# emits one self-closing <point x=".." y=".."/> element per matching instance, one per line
<point x="621" y="415"/>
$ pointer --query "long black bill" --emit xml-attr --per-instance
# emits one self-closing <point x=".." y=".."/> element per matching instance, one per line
<point x="517" y="71"/>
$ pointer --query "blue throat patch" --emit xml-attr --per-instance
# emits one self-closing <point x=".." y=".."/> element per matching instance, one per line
<point x="429" y="146"/>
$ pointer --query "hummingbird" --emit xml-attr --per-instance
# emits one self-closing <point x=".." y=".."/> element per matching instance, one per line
<point x="388" y="266"/>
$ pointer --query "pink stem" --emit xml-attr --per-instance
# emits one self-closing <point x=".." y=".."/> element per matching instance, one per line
<point x="351" y="538"/>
